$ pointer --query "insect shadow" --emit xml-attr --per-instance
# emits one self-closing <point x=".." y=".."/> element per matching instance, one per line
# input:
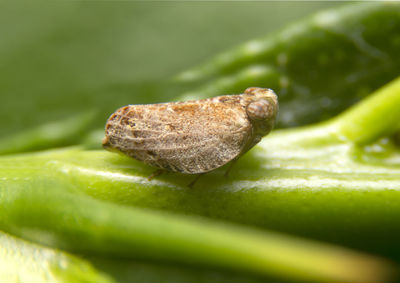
<point x="243" y="167"/>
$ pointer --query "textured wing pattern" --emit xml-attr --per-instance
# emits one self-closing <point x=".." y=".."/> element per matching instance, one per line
<point x="189" y="137"/>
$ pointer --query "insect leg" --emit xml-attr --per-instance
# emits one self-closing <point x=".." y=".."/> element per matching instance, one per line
<point x="156" y="173"/>
<point x="230" y="167"/>
<point x="195" y="180"/>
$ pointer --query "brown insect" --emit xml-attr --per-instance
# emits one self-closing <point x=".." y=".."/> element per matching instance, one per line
<point x="193" y="137"/>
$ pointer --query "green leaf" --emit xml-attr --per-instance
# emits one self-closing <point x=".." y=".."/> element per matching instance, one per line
<point x="82" y="224"/>
<point x="336" y="181"/>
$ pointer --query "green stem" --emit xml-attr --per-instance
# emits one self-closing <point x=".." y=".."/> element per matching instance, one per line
<point x="372" y="118"/>
<point x="83" y="224"/>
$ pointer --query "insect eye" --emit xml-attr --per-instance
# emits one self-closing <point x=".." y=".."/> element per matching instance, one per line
<point x="260" y="110"/>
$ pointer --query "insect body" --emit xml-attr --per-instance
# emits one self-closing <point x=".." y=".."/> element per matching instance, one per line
<point x="193" y="137"/>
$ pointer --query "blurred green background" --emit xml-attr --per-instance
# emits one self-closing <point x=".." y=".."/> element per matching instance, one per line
<point x="64" y="57"/>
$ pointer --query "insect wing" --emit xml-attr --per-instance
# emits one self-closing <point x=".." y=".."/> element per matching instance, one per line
<point x="188" y="137"/>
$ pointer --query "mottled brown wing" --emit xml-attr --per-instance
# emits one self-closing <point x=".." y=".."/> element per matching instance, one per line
<point x="189" y="137"/>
